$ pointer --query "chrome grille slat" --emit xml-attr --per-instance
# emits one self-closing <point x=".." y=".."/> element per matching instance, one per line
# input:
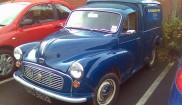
<point x="32" y="73"/>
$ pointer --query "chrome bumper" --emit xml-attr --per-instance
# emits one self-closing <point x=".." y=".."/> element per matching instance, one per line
<point x="50" y="94"/>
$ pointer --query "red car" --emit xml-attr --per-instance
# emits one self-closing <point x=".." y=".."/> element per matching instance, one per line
<point x="24" y="21"/>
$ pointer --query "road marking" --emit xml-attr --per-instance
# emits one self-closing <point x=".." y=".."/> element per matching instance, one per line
<point x="149" y="92"/>
<point x="7" y="80"/>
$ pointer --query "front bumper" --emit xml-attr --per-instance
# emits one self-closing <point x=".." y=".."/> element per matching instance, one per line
<point x="48" y="93"/>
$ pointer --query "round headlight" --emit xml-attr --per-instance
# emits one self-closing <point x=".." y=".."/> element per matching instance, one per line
<point x="76" y="70"/>
<point x="18" y="53"/>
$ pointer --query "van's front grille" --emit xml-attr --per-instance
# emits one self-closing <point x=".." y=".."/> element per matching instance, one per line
<point x="43" y="77"/>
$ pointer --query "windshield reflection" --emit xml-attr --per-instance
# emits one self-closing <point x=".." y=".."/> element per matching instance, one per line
<point x="95" y="21"/>
<point x="9" y="11"/>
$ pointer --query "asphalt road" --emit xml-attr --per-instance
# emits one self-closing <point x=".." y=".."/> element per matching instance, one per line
<point x="131" y="92"/>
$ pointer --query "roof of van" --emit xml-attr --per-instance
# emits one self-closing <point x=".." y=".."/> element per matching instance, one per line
<point x="111" y="7"/>
<point x="129" y="1"/>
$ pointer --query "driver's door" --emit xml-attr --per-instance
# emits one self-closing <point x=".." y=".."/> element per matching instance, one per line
<point x="130" y="40"/>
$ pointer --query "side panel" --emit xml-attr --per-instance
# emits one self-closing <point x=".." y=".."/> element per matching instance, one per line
<point x="152" y="27"/>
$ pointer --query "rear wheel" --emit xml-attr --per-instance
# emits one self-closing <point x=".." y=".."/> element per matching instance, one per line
<point x="152" y="58"/>
<point x="107" y="90"/>
<point x="7" y="63"/>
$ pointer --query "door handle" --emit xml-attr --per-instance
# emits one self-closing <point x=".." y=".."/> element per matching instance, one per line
<point x="57" y="26"/>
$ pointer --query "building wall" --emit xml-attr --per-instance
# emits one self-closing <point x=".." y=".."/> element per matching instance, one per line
<point x="171" y="7"/>
<point x="3" y="1"/>
<point x="168" y="6"/>
<point x="76" y="3"/>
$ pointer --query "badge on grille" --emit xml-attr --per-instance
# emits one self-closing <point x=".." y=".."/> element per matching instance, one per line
<point x="49" y="78"/>
<point x="41" y="60"/>
<point x="39" y="76"/>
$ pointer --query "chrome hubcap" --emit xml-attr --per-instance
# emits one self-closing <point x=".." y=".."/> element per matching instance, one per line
<point x="106" y="92"/>
<point x="153" y="57"/>
<point x="6" y="64"/>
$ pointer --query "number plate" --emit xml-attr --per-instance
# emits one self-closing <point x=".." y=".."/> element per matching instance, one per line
<point x="38" y="95"/>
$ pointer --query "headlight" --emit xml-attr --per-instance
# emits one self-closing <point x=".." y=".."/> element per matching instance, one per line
<point x="18" y="53"/>
<point x="76" y="70"/>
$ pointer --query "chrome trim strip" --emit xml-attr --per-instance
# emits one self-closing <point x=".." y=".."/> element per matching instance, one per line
<point x="152" y="29"/>
<point x="26" y="63"/>
<point x="50" y="94"/>
<point x="138" y="38"/>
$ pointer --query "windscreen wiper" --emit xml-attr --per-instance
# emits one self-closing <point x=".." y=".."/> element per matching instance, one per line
<point x="102" y="30"/>
<point x="83" y="28"/>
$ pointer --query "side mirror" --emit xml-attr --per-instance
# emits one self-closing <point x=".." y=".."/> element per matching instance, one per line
<point x="62" y="24"/>
<point x="128" y="32"/>
<point x="26" y="22"/>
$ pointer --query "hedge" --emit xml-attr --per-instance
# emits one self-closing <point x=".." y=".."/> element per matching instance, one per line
<point x="172" y="39"/>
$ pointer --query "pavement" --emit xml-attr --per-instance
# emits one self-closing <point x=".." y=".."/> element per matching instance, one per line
<point x="146" y="87"/>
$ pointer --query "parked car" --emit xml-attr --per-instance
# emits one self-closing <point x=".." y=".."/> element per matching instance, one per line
<point x="102" y="44"/>
<point x="176" y="90"/>
<point x="22" y="22"/>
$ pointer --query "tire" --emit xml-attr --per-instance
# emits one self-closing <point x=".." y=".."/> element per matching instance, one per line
<point x="108" y="87"/>
<point x="152" y="58"/>
<point x="7" y="63"/>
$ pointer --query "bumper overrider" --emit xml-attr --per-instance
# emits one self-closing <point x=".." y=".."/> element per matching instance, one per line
<point x="21" y="80"/>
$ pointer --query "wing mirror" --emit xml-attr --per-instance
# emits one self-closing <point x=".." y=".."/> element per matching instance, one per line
<point x="26" y="22"/>
<point x="128" y="32"/>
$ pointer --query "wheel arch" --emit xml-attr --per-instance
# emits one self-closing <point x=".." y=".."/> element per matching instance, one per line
<point x="116" y="71"/>
<point x="157" y="41"/>
<point x="7" y="47"/>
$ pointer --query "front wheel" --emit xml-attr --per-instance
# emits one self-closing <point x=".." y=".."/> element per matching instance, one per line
<point x="107" y="90"/>
<point x="7" y="63"/>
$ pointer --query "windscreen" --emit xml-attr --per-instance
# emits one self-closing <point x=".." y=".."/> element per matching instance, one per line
<point x="9" y="12"/>
<point x="95" y="20"/>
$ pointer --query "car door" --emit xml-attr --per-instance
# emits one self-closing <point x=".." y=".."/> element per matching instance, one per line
<point x="130" y="40"/>
<point x="38" y="22"/>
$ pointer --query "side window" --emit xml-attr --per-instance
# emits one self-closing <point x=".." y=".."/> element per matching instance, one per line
<point x="63" y="11"/>
<point x="131" y="22"/>
<point x="39" y="14"/>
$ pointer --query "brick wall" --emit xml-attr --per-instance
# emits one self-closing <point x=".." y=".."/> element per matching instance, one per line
<point x="167" y="5"/>
<point x="3" y="1"/>
<point x="76" y="3"/>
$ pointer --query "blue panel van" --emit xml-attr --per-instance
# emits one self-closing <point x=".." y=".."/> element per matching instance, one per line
<point x="102" y="44"/>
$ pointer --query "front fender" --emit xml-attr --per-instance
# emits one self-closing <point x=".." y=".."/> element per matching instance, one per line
<point x="95" y="67"/>
<point x="28" y="46"/>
